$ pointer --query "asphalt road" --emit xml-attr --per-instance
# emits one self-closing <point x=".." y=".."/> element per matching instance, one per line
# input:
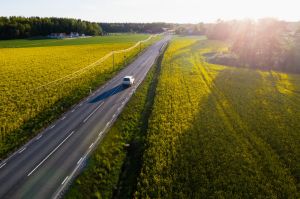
<point x="47" y="164"/>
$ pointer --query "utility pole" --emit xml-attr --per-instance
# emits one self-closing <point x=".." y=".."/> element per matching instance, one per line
<point x="124" y="60"/>
<point x="113" y="54"/>
<point x="140" y="47"/>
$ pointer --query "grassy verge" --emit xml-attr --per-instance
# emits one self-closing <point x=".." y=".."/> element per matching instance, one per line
<point x="113" y="169"/>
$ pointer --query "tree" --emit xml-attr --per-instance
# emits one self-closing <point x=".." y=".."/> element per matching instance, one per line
<point x="259" y="44"/>
<point x="221" y="30"/>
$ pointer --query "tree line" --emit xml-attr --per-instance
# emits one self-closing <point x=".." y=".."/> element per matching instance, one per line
<point x="23" y="27"/>
<point x="135" y="27"/>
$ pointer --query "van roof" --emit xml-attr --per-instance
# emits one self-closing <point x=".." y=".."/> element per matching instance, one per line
<point x="128" y="77"/>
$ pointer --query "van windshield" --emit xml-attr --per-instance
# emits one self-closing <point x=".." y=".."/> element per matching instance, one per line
<point x="126" y="79"/>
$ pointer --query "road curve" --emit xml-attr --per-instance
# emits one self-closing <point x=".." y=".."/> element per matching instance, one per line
<point x="44" y="166"/>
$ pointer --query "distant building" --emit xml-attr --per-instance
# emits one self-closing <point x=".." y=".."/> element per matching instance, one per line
<point x="66" y="36"/>
<point x="57" y="35"/>
<point x="74" y="34"/>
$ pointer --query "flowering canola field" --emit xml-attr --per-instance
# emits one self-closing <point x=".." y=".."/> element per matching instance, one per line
<point x="221" y="132"/>
<point x="31" y="97"/>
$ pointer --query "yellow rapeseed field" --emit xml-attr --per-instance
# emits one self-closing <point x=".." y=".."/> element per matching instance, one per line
<point x="26" y="106"/>
<point x="220" y="132"/>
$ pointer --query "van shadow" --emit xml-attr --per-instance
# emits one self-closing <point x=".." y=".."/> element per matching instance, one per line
<point x="108" y="93"/>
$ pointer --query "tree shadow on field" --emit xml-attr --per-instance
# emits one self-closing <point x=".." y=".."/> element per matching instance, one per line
<point x="222" y="155"/>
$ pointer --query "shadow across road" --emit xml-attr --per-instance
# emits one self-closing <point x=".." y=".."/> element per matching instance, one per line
<point x="108" y="93"/>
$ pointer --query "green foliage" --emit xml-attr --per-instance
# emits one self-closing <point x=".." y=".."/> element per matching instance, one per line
<point x="221" y="132"/>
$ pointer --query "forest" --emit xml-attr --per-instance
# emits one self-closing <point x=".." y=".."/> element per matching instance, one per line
<point x="22" y="27"/>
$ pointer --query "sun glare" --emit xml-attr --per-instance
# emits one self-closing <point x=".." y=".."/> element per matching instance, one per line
<point x="195" y="10"/>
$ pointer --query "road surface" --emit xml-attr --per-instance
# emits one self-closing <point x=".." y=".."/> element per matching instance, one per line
<point x="46" y="165"/>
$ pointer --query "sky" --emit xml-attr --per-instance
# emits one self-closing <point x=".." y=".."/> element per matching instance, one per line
<point x="175" y="11"/>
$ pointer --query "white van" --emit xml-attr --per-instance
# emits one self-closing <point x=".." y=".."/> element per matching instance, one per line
<point x="128" y="81"/>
